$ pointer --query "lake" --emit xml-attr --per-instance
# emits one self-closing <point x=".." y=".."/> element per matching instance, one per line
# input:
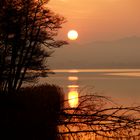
<point x="122" y="85"/>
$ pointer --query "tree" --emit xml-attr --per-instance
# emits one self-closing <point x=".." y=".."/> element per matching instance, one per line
<point x="27" y="36"/>
<point x="98" y="117"/>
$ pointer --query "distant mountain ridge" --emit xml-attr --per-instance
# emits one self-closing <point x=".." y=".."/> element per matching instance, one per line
<point x="121" y="53"/>
<point x="127" y="40"/>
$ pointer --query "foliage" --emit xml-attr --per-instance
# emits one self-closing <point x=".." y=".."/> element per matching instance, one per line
<point x="27" y="35"/>
<point x="31" y="114"/>
<point x="42" y="113"/>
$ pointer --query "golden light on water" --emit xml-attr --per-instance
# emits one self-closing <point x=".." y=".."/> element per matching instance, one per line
<point x="72" y="35"/>
<point x="73" y="86"/>
<point x="73" y="71"/>
<point x="73" y="78"/>
<point x="73" y="98"/>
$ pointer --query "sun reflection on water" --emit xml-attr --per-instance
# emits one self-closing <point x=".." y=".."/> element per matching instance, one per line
<point x="73" y="89"/>
<point x="73" y="98"/>
<point x="73" y="78"/>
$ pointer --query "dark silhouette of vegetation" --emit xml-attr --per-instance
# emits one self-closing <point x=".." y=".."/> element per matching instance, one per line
<point x="27" y="36"/>
<point x="97" y="117"/>
<point x="40" y="113"/>
<point x="31" y="114"/>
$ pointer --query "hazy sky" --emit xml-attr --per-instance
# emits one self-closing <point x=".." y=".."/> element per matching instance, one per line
<point x="109" y="37"/>
<point x="115" y="24"/>
<point x="99" y="19"/>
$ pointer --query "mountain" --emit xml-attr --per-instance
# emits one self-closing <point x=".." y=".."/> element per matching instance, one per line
<point x="121" y="53"/>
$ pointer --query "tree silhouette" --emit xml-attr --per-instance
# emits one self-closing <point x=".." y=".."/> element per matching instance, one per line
<point x="27" y="36"/>
<point x="97" y="117"/>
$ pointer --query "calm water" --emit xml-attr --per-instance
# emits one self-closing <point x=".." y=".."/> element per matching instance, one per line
<point x="122" y="85"/>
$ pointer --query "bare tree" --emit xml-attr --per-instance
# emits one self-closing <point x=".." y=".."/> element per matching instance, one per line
<point x="27" y="35"/>
<point x="97" y="117"/>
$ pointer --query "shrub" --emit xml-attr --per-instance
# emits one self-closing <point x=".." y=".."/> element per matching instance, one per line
<point x="31" y="114"/>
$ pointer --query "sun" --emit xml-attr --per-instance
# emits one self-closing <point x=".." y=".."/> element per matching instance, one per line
<point x="72" y="34"/>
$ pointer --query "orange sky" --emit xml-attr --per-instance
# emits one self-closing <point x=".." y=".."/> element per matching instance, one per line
<point x="99" y="19"/>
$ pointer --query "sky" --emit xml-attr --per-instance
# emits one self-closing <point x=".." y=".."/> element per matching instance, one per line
<point x="100" y="19"/>
<point x="103" y="21"/>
